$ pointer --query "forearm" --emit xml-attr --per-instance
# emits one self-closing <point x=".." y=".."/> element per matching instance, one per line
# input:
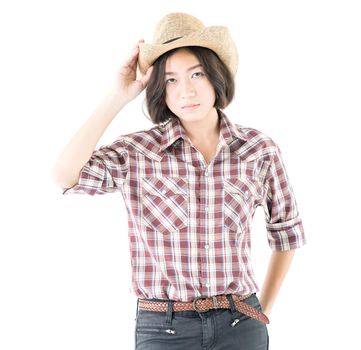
<point x="80" y="148"/>
<point x="280" y="262"/>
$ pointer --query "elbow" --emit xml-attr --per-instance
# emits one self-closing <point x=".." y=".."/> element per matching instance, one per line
<point x="62" y="180"/>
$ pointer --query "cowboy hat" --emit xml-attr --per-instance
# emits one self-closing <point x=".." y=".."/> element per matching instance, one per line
<point x="181" y="29"/>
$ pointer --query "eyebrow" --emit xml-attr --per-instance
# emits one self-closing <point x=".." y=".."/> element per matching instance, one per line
<point x="190" y="68"/>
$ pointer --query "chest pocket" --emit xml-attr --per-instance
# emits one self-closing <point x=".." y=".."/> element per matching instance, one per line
<point x="164" y="203"/>
<point x="240" y="198"/>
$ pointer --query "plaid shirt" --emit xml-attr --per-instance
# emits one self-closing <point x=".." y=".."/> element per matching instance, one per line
<point x="189" y="222"/>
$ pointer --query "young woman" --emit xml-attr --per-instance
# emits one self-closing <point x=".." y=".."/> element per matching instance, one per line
<point x="191" y="185"/>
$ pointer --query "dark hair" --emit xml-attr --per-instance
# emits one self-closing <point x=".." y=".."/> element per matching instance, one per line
<point x="216" y="71"/>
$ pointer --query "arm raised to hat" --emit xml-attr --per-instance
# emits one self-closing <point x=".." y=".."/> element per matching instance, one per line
<point x="77" y="152"/>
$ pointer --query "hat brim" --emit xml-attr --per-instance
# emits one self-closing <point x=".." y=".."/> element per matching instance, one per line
<point x="216" y="38"/>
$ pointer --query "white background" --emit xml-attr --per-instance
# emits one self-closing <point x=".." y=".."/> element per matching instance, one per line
<point x="64" y="260"/>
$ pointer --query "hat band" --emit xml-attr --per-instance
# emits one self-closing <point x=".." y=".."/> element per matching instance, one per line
<point x="168" y="41"/>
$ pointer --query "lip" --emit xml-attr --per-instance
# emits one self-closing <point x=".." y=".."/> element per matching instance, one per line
<point x="192" y="106"/>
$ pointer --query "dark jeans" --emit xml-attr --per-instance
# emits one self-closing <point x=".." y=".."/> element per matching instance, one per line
<point x="193" y="330"/>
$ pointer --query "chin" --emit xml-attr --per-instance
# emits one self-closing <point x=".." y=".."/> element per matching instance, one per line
<point x="195" y="115"/>
<point x="192" y="118"/>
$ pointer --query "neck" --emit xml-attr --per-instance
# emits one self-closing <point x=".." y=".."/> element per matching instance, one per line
<point x="203" y="131"/>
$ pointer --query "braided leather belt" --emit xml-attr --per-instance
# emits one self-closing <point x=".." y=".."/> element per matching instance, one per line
<point x="204" y="304"/>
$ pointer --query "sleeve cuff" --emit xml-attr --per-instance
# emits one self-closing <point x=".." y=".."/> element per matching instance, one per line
<point x="286" y="235"/>
<point x="90" y="182"/>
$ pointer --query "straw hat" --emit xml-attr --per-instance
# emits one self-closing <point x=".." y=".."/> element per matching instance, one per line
<point x="181" y="29"/>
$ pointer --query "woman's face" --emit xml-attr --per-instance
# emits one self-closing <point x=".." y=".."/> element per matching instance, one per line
<point x="187" y="84"/>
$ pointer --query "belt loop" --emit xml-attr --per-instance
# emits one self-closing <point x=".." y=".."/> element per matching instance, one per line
<point x="169" y="314"/>
<point x="233" y="310"/>
<point x="231" y="303"/>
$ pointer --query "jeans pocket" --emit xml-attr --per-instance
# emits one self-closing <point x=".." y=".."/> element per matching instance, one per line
<point x="155" y="329"/>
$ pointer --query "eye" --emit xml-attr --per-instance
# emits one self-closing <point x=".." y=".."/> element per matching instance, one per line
<point x="172" y="80"/>
<point x="200" y="73"/>
<point x="168" y="80"/>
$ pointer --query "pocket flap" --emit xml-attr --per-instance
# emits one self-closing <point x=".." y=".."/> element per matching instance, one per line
<point x="164" y="186"/>
<point x="243" y="185"/>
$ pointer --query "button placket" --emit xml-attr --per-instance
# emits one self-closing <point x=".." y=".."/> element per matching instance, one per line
<point x="206" y="208"/>
<point x="206" y="246"/>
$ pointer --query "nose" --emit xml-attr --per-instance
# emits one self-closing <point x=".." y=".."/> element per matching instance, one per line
<point x="187" y="89"/>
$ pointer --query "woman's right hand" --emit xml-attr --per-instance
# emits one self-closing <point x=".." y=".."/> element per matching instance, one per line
<point x="125" y="83"/>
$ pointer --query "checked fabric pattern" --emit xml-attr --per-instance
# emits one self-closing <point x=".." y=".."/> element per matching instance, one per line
<point x="189" y="220"/>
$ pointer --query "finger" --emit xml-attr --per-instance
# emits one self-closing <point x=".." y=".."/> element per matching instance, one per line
<point x="130" y="60"/>
<point x="131" y="57"/>
<point x="144" y="80"/>
<point x="140" y="41"/>
<point x="135" y="48"/>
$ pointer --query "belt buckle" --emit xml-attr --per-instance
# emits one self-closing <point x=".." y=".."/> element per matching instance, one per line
<point x="215" y="303"/>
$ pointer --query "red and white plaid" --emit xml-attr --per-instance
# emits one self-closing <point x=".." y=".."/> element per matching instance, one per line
<point x="189" y="222"/>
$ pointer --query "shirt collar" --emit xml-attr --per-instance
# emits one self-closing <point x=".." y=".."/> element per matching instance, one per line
<point x="173" y="130"/>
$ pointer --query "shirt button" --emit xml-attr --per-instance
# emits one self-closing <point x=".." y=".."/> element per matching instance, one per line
<point x="208" y="285"/>
<point x="206" y="173"/>
<point x="206" y="208"/>
<point x="206" y="246"/>
<point x="164" y="191"/>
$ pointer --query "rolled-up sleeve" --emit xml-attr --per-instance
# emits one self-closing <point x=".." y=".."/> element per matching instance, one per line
<point x="283" y="223"/>
<point x="105" y="171"/>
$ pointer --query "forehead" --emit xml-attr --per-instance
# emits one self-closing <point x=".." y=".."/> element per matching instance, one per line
<point x="182" y="58"/>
